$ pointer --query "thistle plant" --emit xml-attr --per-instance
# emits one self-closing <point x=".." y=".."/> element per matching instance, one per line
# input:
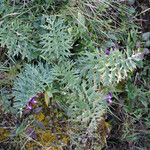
<point x="33" y="80"/>
<point x="15" y="36"/>
<point x="56" y="42"/>
<point x="76" y="55"/>
<point x="106" y="68"/>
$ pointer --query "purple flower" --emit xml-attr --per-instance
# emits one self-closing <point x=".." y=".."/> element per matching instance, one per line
<point x="107" y="51"/>
<point x="29" y="107"/>
<point x="31" y="103"/>
<point x="32" y="100"/>
<point x="146" y="52"/>
<point x="108" y="98"/>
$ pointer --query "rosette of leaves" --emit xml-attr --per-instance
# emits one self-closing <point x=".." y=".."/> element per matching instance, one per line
<point x="32" y="80"/>
<point x="56" y="41"/>
<point x="99" y="68"/>
<point x="16" y="37"/>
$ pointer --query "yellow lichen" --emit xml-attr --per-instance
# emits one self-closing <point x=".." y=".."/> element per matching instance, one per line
<point x="55" y="148"/>
<point x="40" y="117"/>
<point x="51" y="128"/>
<point x="4" y="134"/>
<point x="46" y="138"/>
<point x="46" y="122"/>
<point x="65" y="140"/>
<point x="30" y="145"/>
